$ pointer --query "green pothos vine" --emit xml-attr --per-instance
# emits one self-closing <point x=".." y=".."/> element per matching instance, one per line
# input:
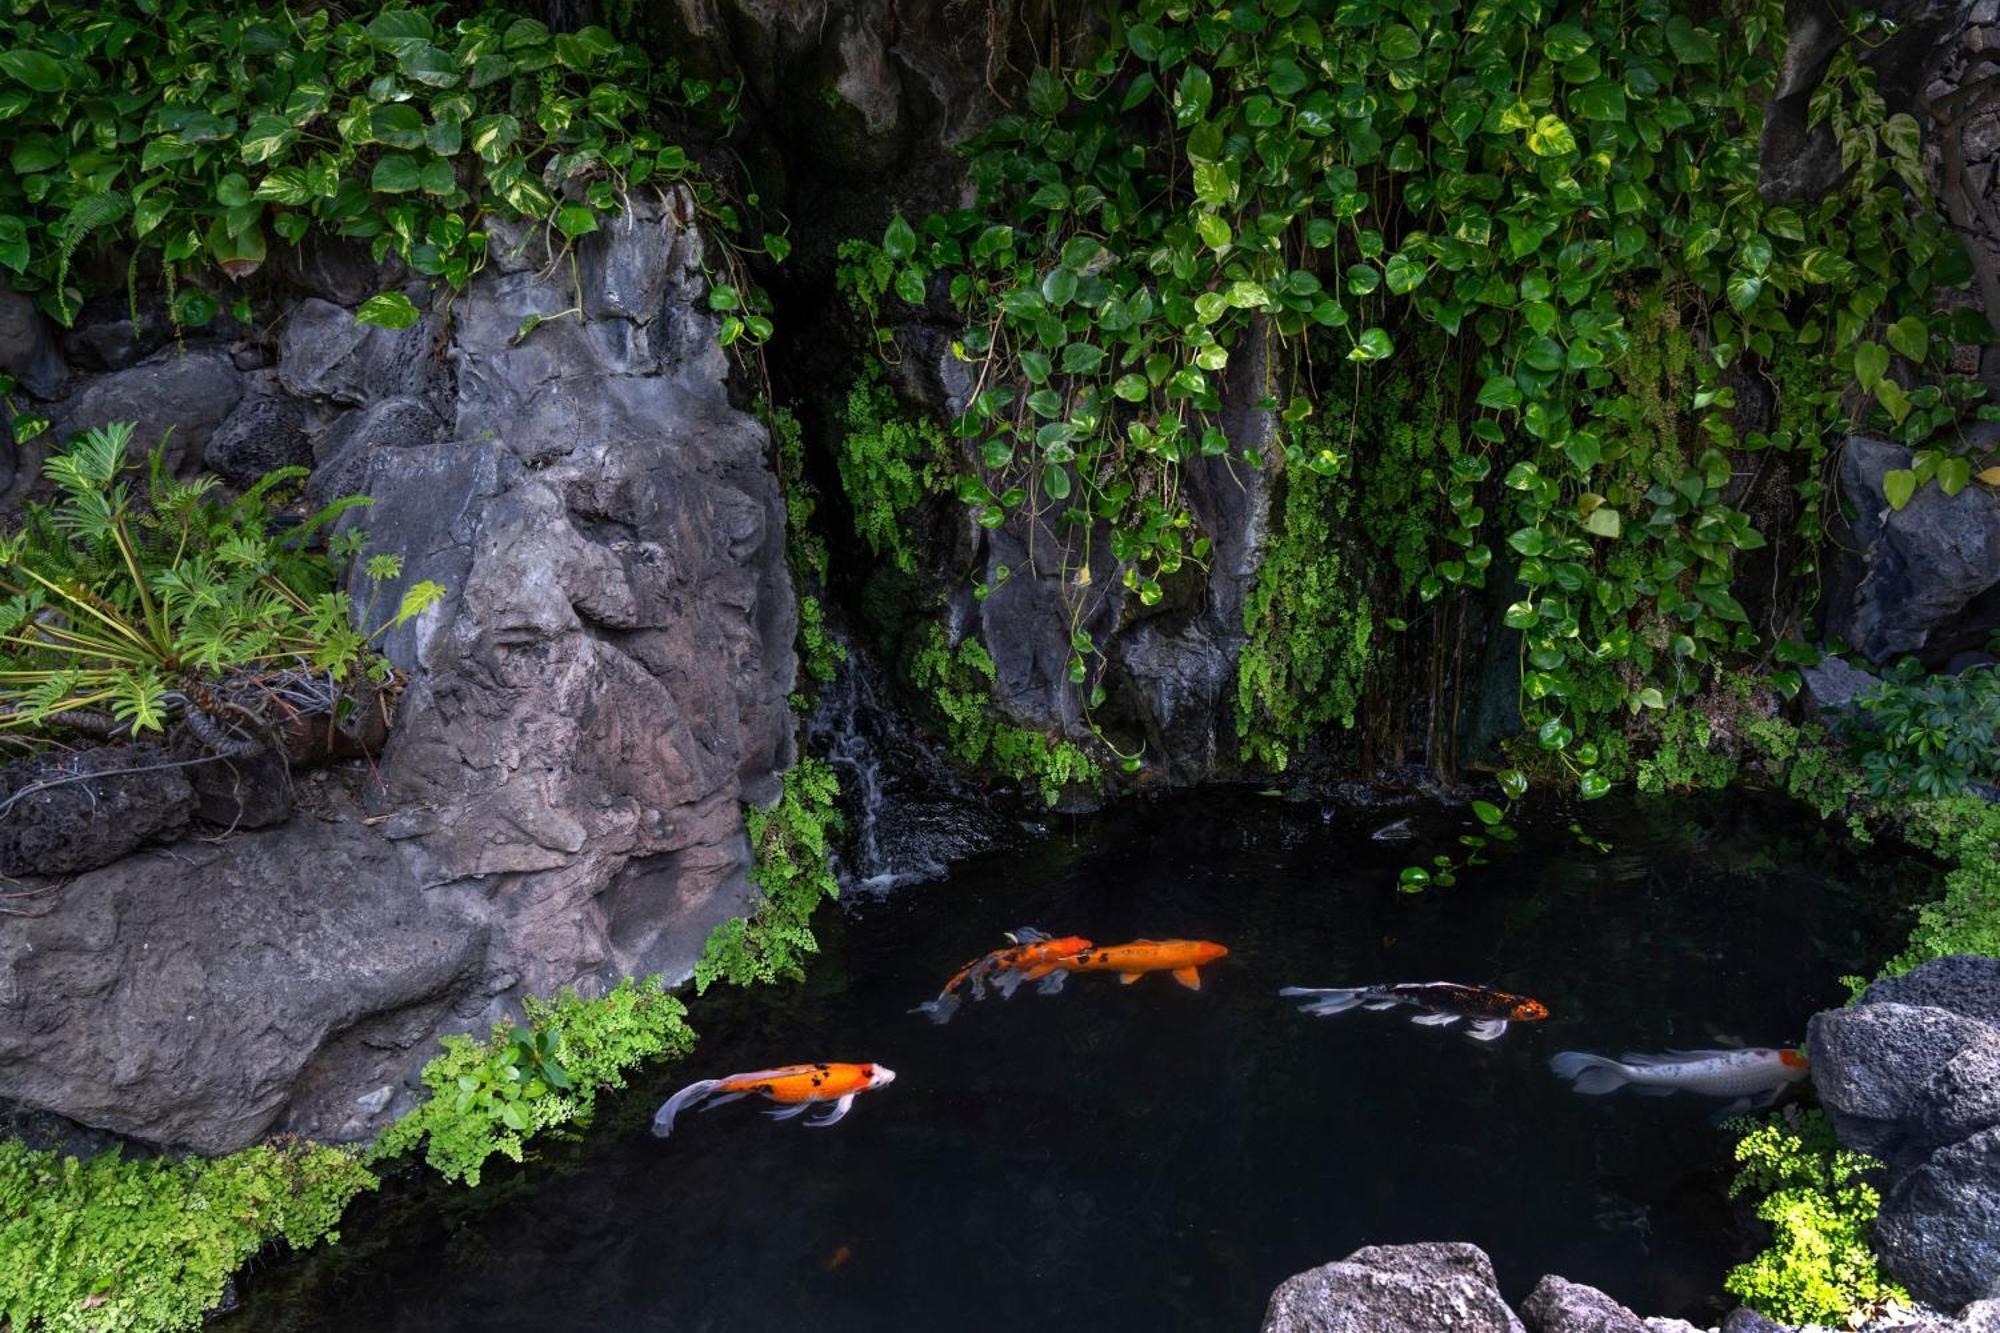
<point x="1324" y="180"/>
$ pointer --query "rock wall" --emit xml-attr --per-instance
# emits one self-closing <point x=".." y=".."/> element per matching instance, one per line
<point x="602" y="689"/>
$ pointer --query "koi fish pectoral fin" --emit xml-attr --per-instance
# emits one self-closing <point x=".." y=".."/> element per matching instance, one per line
<point x="840" y="1108"/>
<point x="1127" y="978"/>
<point x="1052" y="984"/>
<point x="1435" y="1020"/>
<point x="724" y="1100"/>
<point x="787" y="1112"/>
<point x="1188" y="977"/>
<point x="1380" y="1004"/>
<point x="1488" y="1029"/>
<point x="1007" y="983"/>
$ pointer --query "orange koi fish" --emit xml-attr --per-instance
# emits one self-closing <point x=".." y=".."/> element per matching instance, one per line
<point x="1134" y="960"/>
<point x="1008" y="968"/>
<point x="797" y="1087"/>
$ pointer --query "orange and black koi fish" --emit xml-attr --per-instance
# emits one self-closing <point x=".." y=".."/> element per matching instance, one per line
<point x="797" y="1087"/>
<point x="1031" y="950"/>
<point x="1134" y="960"/>
<point x="1442" y="1003"/>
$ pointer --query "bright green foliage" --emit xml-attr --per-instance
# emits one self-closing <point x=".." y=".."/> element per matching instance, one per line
<point x="960" y="684"/>
<point x="113" y="1245"/>
<point x="120" y="601"/>
<point x="820" y="654"/>
<point x="1964" y="832"/>
<point x="863" y="274"/>
<point x="493" y="1096"/>
<point x="1308" y="620"/>
<point x="1341" y="182"/>
<point x="1685" y="756"/>
<point x="199" y="131"/>
<point x="1816" y="1198"/>
<point x="789" y="844"/>
<point x="890" y="460"/>
<point x="1934" y="735"/>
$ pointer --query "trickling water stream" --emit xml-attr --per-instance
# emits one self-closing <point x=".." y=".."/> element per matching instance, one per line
<point x="1143" y="1157"/>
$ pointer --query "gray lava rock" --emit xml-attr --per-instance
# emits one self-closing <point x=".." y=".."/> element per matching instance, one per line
<point x="1873" y="1066"/>
<point x="1921" y="567"/>
<point x="27" y="348"/>
<point x="73" y="812"/>
<point x="243" y="793"/>
<point x="1445" y="1287"/>
<point x="264" y="432"/>
<point x="193" y="392"/>
<point x="1964" y="984"/>
<point x="345" y="449"/>
<point x="1939" y="1230"/>
<point x="324" y="353"/>
<point x="1833" y="684"/>
<point x="1747" y="1320"/>
<point x="199" y="998"/>
<point x="1557" y="1305"/>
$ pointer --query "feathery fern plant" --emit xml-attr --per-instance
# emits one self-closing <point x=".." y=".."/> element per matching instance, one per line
<point x="124" y="610"/>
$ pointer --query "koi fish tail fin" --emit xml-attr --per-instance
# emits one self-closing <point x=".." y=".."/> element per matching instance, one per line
<point x="940" y="1010"/>
<point x="1327" y="1000"/>
<point x="663" y="1119"/>
<point x="1592" y="1075"/>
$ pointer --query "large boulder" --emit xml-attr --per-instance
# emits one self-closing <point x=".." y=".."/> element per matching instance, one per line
<point x="200" y="998"/>
<point x="1922" y="572"/>
<point x="1557" y="1305"/>
<point x="602" y="689"/>
<point x="1437" y="1287"/>
<point x="190" y="392"/>
<point x="1911" y="1074"/>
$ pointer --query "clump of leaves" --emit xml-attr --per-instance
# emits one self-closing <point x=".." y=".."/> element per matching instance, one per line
<point x="202" y="131"/>
<point x="1816" y="1197"/>
<point x="493" y="1096"/>
<point x="1964" y="831"/>
<point x="107" y="1242"/>
<point x="890" y="460"/>
<point x="174" y="601"/>
<point x="959" y="684"/>
<point x="789" y="844"/>
<point x="1935" y="735"/>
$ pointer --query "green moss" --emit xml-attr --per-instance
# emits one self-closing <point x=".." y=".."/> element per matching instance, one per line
<point x="1817" y="1200"/>
<point x="493" y="1096"/>
<point x="1309" y="624"/>
<point x="959" y="684"/>
<point x="110" y="1243"/>
<point x="890" y="460"/>
<point x="789" y="844"/>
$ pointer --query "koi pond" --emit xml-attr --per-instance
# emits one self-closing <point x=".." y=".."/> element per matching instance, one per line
<point x="1145" y="1156"/>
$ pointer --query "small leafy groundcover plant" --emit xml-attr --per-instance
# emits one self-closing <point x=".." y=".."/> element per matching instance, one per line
<point x="1817" y="1199"/>
<point x="493" y="1096"/>
<point x="789" y="845"/>
<point x="1935" y="735"/>
<point x="123" y="609"/>
<point x="109" y="1244"/>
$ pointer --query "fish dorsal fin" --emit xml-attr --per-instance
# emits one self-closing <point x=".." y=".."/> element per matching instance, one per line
<point x="1028" y="935"/>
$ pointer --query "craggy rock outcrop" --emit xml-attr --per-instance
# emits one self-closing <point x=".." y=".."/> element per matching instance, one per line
<point x="1394" y="1289"/>
<point x="1925" y="570"/>
<point x="1912" y="1075"/>
<point x="86" y="808"/>
<point x="601" y="690"/>
<point x="1557" y="1305"/>
<point x="193" y="390"/>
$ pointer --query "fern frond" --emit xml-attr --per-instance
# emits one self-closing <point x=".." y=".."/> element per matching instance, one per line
<point x="87" y="215"/>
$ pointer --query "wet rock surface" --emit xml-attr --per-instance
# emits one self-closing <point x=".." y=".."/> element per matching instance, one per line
<point x="1912" y="1074"/>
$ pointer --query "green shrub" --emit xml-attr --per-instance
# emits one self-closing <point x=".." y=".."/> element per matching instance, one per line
<point x="176" y="602"/>
<point x="1964" y="832"/>
<point x="890" y="459"/>
<point x="109" y="1244"/>
<point x="1935" y="735"/>
<point x="959" y="684"/>
<point x="789" y="844"/>
<point x="201" y="131"/>
<point x="1815" y="1196"/>
<point x="493" y="1096"/>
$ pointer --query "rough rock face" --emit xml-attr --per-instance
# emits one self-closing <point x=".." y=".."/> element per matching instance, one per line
<point x="603" y="687"/>
<point x="1557" y="1305"/>
<point x="1394" y="1289"/>
<point x="1912" y="1075"/>
<point x="192" y="390"/>
<point x="1923" y="569"/>
<point x="84" y="809"/>
<point x="27" y="347"/>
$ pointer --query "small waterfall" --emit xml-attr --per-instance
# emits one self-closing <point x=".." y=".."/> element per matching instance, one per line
<point x="909" y="815"/>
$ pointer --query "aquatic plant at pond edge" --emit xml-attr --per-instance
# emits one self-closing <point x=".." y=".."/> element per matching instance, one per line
<point x="790" y="851"/>
<point x="124" y="611"/>
<point x="1816" y="1197"/>
<point x="147" y="1245"/>
<point x="491" y="1097"/>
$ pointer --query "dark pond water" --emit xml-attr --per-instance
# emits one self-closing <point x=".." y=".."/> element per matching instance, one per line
<point x="1144" y="1157"/>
